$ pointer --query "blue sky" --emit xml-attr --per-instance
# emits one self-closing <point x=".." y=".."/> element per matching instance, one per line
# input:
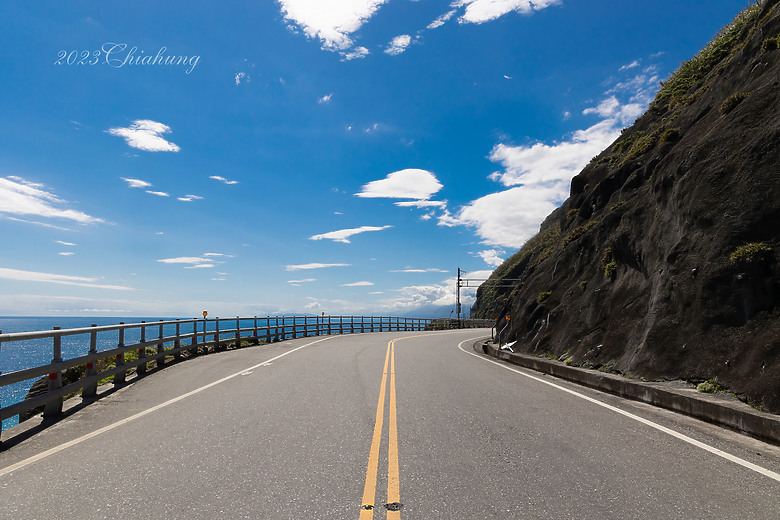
<point x="338" y="156"/>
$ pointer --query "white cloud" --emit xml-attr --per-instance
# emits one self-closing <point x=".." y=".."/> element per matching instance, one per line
<point x="31" y="276"/>
<point x="440" y="294"/>
<point x="357" y="54"/>
<point x="66" y="253"/>
<point x="404" y="184"/>
<point x="441" y="20"/>
<point x="298" y="283"/>
<point x="541" y="173"/>
<point x="342" y="235"/>
<point x="20" y="197"/>
<point x="218" y="254"/>
<point x="357" y="284"/>
<point x="480" y="11"/>
<point x="429" y="270"/>
<point x="200" y="266"/>
<point x="240" y="76"/>
<point x="136" y="183"/>
<point x="314" y="265"/>
<point x="422" y="204"/>
<point x="398" y="44"/>
<point x="64" y="243"/>
<point x="185" y="260"/>
<point x="325" y="99"/>
<point x="491" y="256"/>
<point x="331" y="22"/>
<point x="158" y="193"/>
<point x="222" y="179"/>
<point x="631" y="65"/>
<point x="144" y="134"/>
<point x="189" y="198"/>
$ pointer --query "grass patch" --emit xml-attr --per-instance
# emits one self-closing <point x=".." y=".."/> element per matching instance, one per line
<point x="543" y="296"/>
<point x="579" y="231"/>
<point x="732" y="101"/>
<point x="670" y="135"/>
<point x="770" y="44"/>
<point x="616" y="205"/>
<point x="708" y="387"/>
<point x="752" y="252"/>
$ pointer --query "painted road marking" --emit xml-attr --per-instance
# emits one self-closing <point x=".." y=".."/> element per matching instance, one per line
<point x="74" y="442"/>
<point x="369" y="490"/>
<point x="393" y="504"/>
<point x="689" y="440"/>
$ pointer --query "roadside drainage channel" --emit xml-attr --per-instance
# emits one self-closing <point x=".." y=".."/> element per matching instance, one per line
<point x="752" y="422"/>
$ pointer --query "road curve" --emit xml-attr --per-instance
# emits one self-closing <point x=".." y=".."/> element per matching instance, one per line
<point x="385" y="425"/>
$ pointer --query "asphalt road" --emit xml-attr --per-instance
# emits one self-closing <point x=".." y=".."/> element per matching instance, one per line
<point x="336" y="428"/>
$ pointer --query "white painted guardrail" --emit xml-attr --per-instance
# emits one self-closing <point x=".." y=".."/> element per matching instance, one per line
<point x="192" y="335"/>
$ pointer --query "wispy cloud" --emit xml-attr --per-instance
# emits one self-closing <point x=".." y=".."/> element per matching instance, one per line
<point x="357" y="284"/>
<point x="404" y="184"/>
<point x="66" y="253"/>
<point x="411" y="270"/>
<point x="222" y="179"/>
<point x="136" y="183"/>
<point x="398" y="44"/>
<point x="422" y="204"/>
<point x="325" y="99"/>
<point x="356" y="54"/>
<point x="196" y="262"/>
<point x="32" y="276"/>
<point x="64" y="243"/>
<point x="189" y="198"/>
<point x="441" y="20"/>
<point x="21" y="197"/>
<point x="299" y="283"/>
<point x="313" y="265"/>
<point x="158" y="193"/>
<point x="145" y="134"/>
<point x="342" y="235"/>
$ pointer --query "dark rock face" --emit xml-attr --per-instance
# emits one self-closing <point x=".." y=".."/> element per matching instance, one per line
<point x="642" y="260"/>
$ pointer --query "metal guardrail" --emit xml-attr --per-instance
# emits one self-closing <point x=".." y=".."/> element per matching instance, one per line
<point x="201" y="334"/>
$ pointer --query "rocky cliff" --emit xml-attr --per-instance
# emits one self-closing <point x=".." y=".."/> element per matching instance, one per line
<point x="663" y="261"/>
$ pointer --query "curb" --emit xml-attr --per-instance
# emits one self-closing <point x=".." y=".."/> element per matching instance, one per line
<point x="752" y="422"/>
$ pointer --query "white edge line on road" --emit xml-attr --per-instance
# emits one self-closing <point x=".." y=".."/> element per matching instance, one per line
<point x="689" y="440"/>
<point x="61" y="447"/>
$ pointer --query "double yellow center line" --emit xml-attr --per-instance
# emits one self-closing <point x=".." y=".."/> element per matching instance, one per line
<point x="393" y="486"/>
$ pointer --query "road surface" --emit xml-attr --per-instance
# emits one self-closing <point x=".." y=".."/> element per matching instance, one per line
<point x="386" y="425"/>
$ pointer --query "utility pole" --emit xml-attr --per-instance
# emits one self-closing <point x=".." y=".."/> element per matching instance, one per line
<point x="457" y="297"/>
<point x="477" y="282"/>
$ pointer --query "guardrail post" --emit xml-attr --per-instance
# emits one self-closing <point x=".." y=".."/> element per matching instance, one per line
<point x="160" y="348"/>
<point x="276" y="328"/>
<point x="216" y="333"/>
<point x="91" y="389"/>
<point x="119" y="377"/>
<point x="362" y="324"/>
<point x="194" y="343"/>
<point x="177" y="342"/>
<point x="268" y="329"/>
<point x="54" y="407"/>
<point x="141" y="369"/>
<point x="257" y="340"/>
<point x="238" y="332"/>
<point x="329" y="319"/>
